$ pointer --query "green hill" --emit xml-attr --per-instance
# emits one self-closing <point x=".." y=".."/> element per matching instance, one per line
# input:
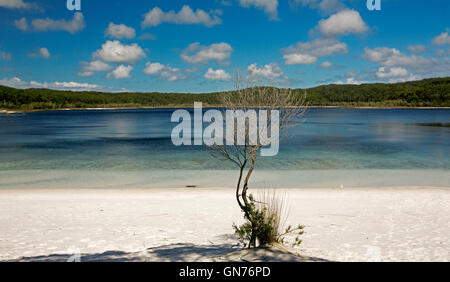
<point x="433" y="92"/>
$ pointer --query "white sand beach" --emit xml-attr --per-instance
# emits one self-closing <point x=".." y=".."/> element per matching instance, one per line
<point x="366" y="224"/>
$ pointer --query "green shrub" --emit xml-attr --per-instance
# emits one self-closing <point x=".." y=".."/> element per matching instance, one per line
<point x="265" y="225"/>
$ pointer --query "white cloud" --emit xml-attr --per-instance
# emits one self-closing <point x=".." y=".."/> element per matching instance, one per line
<point x="197" y="54"/>
<point x="325" y="65"/>
<point x="74" y="25"/>
<point x="193" y="69"/>
<point x="116" y="52"/>
<point x="411" y="77"/>
<point x="417" y="48"/>
<point x="85" y="73"/>
<point x="21" y="24"/>
<point x="14" y="82"/>
<point x="89" y="68"/>
<point x="165" y="72"/>
<point x="418" y="67"/>
<point x="42" y="53"/>
<point x="439" y="52"/>
<point x="343" y="22"/>
<point x="295" y="59"/>
<point x="324" y="6"/>
<point x="73" y="86"/>
<point x="380" y="54"/>
<point x="153" y="68"/>
<point x="225" y="2"/>
<point x="269" y="71"/>
<point x="121" y="72"/>
<point x="392" y="57"/>
<point x="396" y="74"/>
<point x="384" y="72"/>
<point x="120" y="31"/>
<point x="217" y="75"/>
<point x="350" y="80"/>
<point x="270" y="7"/>
<point x="14" y="4"/>
<point x="308" y="52"/>
<point x="186" y="15"/>
<point x="441" y="39"/>
<point x="5" y="56"/>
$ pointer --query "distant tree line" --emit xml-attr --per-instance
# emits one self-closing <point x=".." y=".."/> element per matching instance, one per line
<point x="433" y="92"/>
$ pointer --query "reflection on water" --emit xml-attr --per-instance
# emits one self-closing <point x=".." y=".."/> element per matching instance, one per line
<point x="136" y="140"/>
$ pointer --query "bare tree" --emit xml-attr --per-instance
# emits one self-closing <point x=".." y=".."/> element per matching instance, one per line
<point x="291" y="107"/>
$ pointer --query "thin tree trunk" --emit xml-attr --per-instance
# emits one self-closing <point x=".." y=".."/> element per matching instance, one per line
<point x="247" y="178"/>
<point x="238" y="188"/>
<point x="247" y="203"/>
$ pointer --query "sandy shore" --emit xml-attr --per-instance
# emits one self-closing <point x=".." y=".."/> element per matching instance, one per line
<point x="370" y="224"/>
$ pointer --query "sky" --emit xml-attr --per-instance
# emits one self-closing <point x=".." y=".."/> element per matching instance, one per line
<point x="197" y="46"/>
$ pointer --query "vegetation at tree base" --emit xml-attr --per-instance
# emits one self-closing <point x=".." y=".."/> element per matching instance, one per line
<point x="267" y="225"/>
<point x="433" y="92"/>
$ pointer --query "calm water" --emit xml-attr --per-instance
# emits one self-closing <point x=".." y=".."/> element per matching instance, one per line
<point x="133" y="141"/>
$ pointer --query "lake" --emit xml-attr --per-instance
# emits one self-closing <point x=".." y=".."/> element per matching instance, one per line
<point x="124" y="148"/>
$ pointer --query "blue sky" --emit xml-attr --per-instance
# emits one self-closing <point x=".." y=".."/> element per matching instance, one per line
<point x="196" y="45"/>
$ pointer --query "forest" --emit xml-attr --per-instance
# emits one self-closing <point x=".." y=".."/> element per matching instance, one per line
<point x="433" y="92"/>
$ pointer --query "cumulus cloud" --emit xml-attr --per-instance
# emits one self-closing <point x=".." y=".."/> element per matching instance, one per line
<point x="384" y="72"/>
<point x="197" y="54"/>
<point x="89" y="68"/>
<point x="165" y="72"/>
<point x="344" y="22"/>
<point x="295" y="59"/>
<point x="14" y="82"/>
<point x="116" y="52"/>
<point x="324" y="6"/>
<point x="73" y="86"/>
<point x="441" y="39"/>
<point x="325" y="65"/>
<point x="417" y="48"/>
<point x="395" y="63"/>
<point x="225" y="2"/>
<point x="308" y="52"/>
<point x="76" y="24"/>
<point x="186" y="15"/>
<point x="15" y="4"/>
<point x="396" y="74"/>
<point x="439" y="52"/>
<point x="393" y="57"/>
<point x="270" y="7"/>
<point x="42" y="53"/>
<point x="120" y="72"/>
<point x="350" y="80"/>
<point x="269" y="71"/>
<point x="120" y="31"/>
<point x="219" y="74"/>
<point x="21" y="24"/>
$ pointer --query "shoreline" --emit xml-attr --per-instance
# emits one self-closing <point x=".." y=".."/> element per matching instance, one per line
<point x="219" y="188"/>
<point x="195" y="225"/>
<point x="13" y="111"/>
<point x="153" y="179"/>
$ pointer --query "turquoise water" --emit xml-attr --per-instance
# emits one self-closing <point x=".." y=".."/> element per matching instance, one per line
<point x="137" y="142"/>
